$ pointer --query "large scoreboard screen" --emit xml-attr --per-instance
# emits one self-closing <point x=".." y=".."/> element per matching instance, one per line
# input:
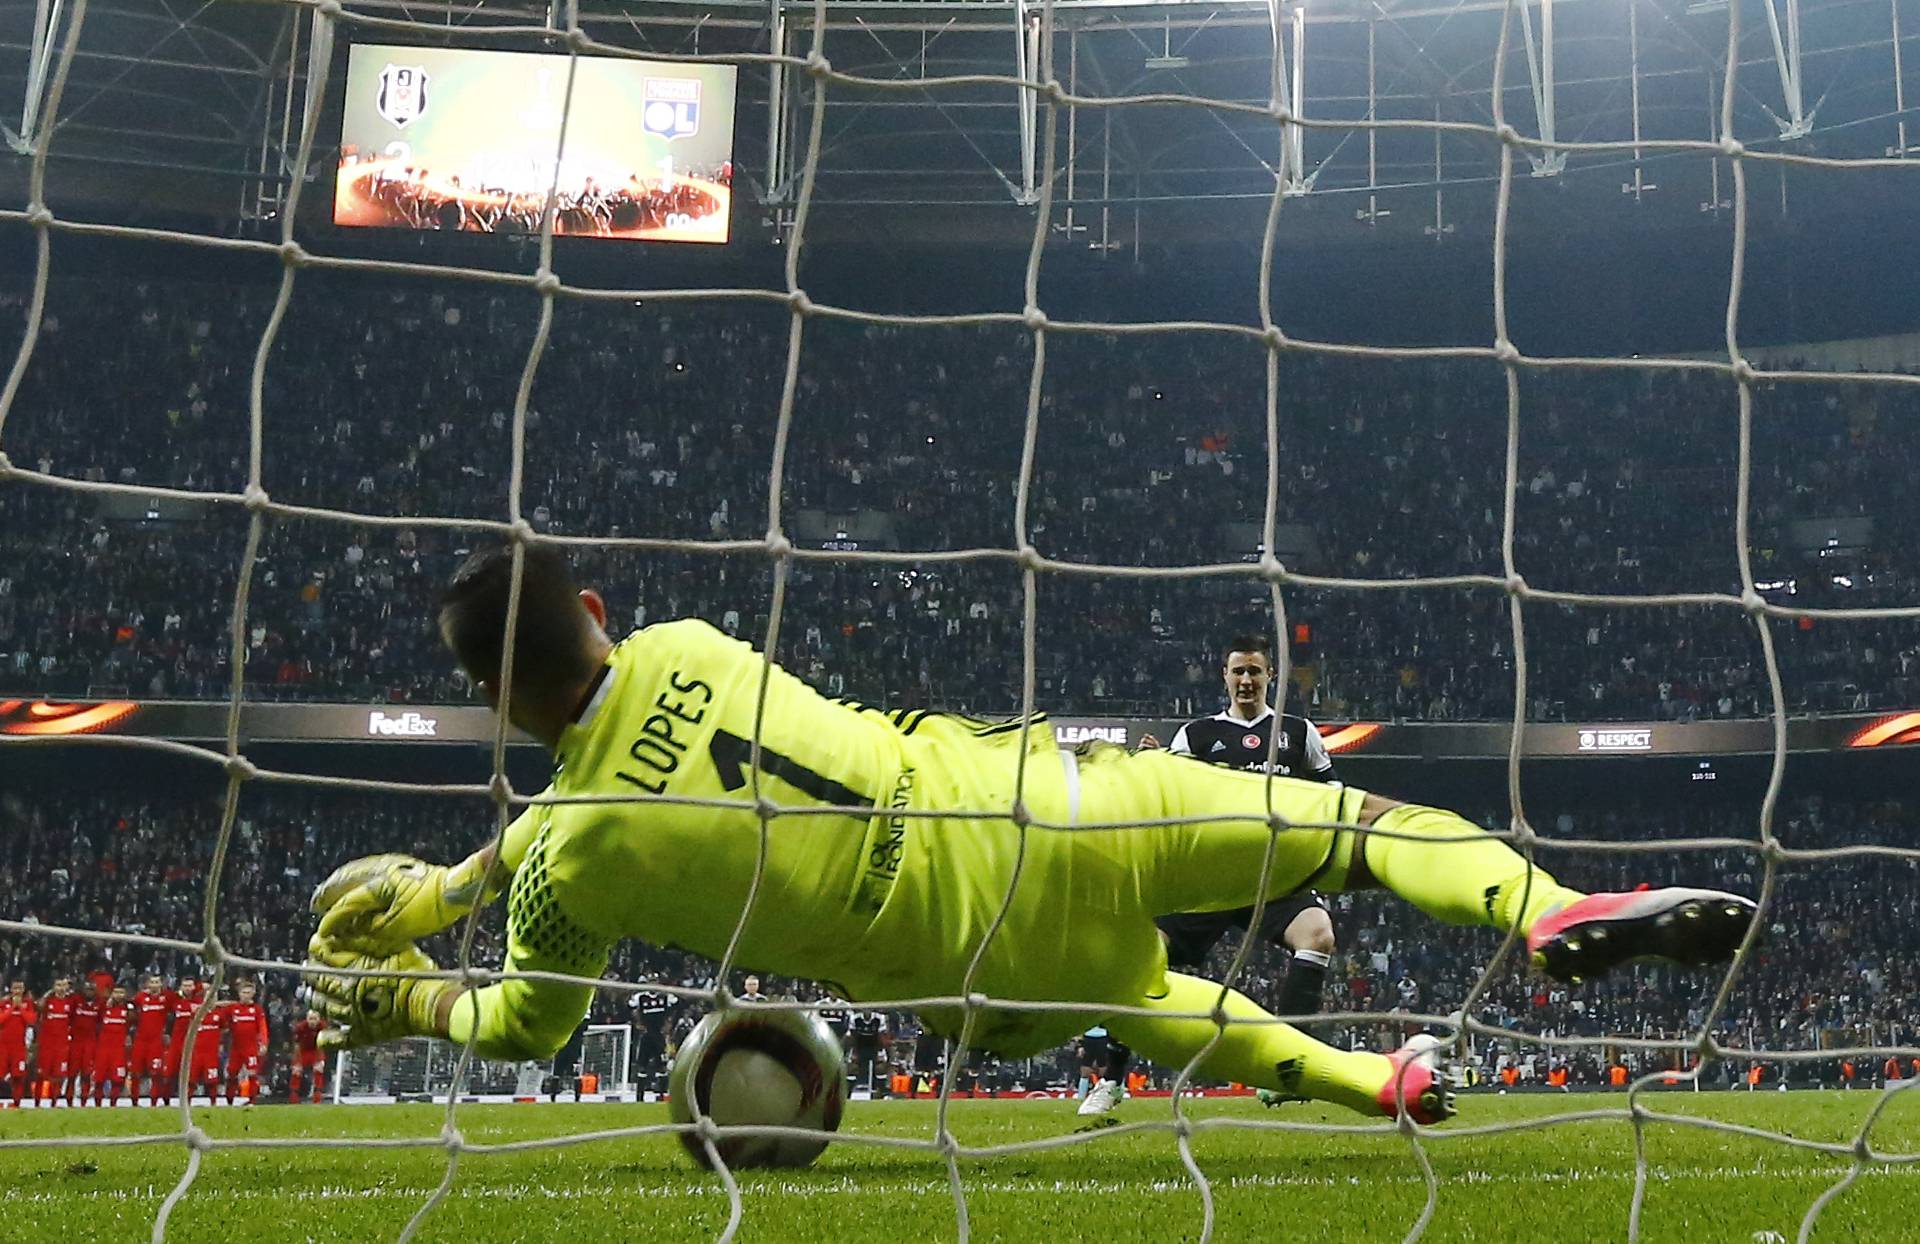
<point x="471" y="140"/>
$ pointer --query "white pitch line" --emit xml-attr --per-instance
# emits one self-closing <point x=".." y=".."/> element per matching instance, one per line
<point x="939" y="1188"/>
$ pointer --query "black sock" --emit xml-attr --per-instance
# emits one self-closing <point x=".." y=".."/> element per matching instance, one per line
<point x="1118" y="1056"/>
<point x="1306" y="977"/>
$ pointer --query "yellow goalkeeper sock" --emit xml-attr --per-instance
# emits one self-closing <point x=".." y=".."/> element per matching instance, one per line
<point x="1270" y="1055"/>
<point x="1478" y="881"/>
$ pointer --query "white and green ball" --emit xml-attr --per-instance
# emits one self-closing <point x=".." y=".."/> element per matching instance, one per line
<point x="755" y="1066"/>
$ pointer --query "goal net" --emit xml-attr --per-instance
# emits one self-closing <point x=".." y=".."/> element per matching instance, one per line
<point x="441" y="1073"/>
<point x="418" y="1069"/>
<point x="606" y="1054"/>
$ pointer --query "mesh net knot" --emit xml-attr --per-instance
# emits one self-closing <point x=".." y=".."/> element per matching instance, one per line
<point x="1274" y="338"/>
<point x="240" y="768"/>
<point x="330" y="9"/>
<point x="212" y="951"/>
<point x="546" y="283"/>
<point x="1034" y="318"/>
<point x="1029" y="559"/>
<point x="1022" y="815"/>
<point x="293" y="255"/>
<point x="451" y="1139"/>
<point x="40" y="216"/>
<point x="579" y="41"/>
<point x="520" y="531"/>
<point x="818" y="66"/>
<point x="1732" y="148"/>
<point x="1272" y="569"/>
<point x="799" y="303"/>
<point x="1521" y="834"/>
<point x="1743" y="372"/>
<point x="1506" y="352"/>
<point x="197" y="1138"/>
<point x="500" y="789"/>
<point x="1516" y="585"/>
<point x="778" y="545"/>
<point x="1507" y="134"/>
<point x="1754" y="603"/>
<point x="474" y="977"/>
<point x="255" y="498"/>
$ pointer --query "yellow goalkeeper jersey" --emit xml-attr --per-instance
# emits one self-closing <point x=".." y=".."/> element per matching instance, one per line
<point x="880" y="902"/>
<point x="673" y="724"/>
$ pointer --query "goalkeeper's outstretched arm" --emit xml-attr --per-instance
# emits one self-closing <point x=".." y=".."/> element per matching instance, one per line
<point x="521" y="1018"/>
<point x="373" y="911"/>
<point x="381" y="904"/>
<point x="517" y="1020"/>
<point x="513" y="1020"/>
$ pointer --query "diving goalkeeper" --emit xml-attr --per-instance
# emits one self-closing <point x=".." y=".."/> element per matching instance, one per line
<point x="887" y="905"/>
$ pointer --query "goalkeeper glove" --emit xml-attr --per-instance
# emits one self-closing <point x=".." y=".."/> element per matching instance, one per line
<point x="381" y="904"/>
<point x="372" y="1009"/>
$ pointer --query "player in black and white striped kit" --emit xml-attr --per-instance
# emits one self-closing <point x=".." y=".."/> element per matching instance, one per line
<point x="1239" y="736"/>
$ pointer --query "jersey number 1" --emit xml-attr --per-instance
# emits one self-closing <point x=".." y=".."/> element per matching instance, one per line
<point x="733" y="755"/>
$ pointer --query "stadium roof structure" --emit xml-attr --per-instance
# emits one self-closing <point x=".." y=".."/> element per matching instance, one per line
<point x="178" y="106"/>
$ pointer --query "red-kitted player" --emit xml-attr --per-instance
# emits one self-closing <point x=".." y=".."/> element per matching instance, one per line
<point x="53" y="1067"/>
<point x="185" y="1002"/>
<point x="307" y="1058"/>
<point x="110" y="1048"/>
<point x="18" y="1015"/>
<point x="246" y="1022"/>
<point x="86" y="1035"/>
<point x="203" y="1069"/>
<point x="152" y="1009"/>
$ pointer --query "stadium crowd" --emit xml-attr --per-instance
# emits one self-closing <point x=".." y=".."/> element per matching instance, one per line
<point x="1832" y="970"/>
<point x="658" y="420"/>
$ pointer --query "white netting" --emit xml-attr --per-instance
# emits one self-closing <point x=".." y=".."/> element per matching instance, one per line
<point x="420" y="1068"/>
<point x="326" y="15"/>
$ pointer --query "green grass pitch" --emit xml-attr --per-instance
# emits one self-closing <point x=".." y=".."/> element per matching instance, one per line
<point x="1569" y="1182"/>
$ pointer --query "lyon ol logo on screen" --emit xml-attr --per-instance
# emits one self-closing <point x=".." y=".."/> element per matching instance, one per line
<point x="672" y="108"/>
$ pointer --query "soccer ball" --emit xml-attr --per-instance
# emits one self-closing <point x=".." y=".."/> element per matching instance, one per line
<point x="754" y="1066"/>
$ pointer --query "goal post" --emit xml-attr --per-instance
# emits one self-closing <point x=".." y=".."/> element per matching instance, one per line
<point x="606" y="1053"/>
<point x="419" y="1069"/>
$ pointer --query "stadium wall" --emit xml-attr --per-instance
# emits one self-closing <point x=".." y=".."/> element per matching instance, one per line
<point x="188" y="721"/>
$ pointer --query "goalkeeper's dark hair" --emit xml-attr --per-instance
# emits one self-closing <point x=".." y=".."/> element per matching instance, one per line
<point x="1249" y="641"/>
<point x="549" y="645"/>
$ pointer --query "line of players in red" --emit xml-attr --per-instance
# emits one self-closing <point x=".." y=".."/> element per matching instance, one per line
<point x="107" y="1047"/>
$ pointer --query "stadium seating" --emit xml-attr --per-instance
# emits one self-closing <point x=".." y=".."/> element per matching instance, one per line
<point x="659" y="421"/>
